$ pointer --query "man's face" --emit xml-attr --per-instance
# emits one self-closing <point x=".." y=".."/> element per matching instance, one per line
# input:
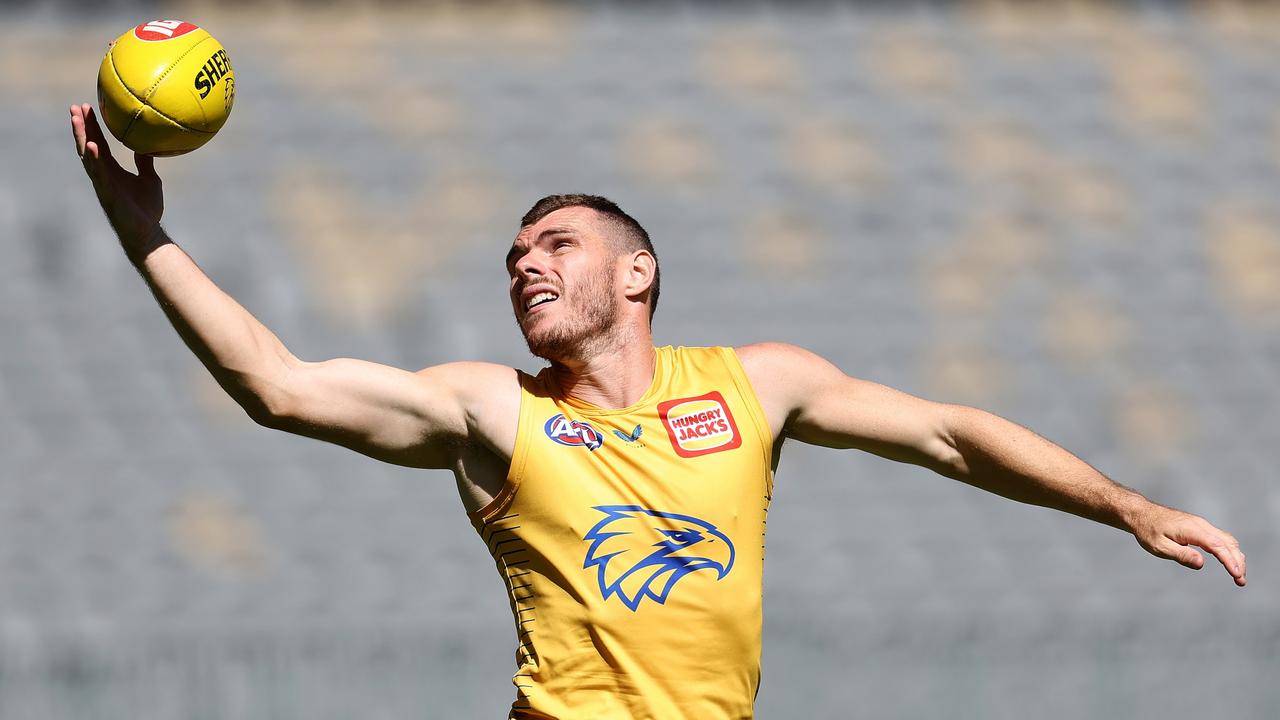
<point x="562" y="284"/>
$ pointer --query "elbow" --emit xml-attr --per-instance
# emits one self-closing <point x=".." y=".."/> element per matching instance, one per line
<point x="273" y="410"/>
<point x="264" y="397"/>
<point x="267" y="408"/>
<point x="946" y="457"/>
<point x="265" y="416"/>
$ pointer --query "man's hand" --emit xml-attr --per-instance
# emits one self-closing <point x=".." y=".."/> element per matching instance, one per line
<point x="1168" y="533"/>
<point x="133" y="203"/>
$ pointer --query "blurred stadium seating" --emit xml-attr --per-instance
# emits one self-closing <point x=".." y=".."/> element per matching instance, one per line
<point x="1065" y="212"/>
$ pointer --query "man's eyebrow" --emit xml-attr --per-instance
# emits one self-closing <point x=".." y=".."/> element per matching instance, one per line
<point x="557" y="230"/>
<point x="551" y="231"/>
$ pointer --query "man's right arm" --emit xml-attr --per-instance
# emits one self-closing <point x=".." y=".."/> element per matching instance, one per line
<point x="416" y="419"/>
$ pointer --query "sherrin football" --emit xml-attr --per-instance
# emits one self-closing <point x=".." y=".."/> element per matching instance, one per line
<point x="165" y="87"/>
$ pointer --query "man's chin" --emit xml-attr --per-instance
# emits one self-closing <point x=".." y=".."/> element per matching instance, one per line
<point x="559" y="340"/>
<point x="548" y="345"/>
<point x="550" y="351"/>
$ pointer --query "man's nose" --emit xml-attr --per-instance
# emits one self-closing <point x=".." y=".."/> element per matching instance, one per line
<point x="530" y="266"/>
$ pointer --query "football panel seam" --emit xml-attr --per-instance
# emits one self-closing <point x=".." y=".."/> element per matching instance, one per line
<point x="143" y="101"/>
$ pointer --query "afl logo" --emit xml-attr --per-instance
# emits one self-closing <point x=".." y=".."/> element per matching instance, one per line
<point x="573" y="433"/>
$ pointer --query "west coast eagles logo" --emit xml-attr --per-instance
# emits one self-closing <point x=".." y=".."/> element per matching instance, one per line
<point x="640" y="553"/>
<point x="574" y="433"/>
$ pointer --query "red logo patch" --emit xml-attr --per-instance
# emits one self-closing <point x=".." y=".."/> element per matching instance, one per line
<point x="163" y="30"/>
<point x="699" y="425"/>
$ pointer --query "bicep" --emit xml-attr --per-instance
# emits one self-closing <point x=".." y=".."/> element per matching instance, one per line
<point x="824" y="406"/>
<point x="845" y="412"/>
<point x="415" y="419"/>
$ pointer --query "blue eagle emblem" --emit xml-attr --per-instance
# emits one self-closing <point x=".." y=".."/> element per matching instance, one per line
<point x="676" y="545"/>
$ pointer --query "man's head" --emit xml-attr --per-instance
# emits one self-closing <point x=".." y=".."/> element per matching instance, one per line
<point x="583" y="274"/>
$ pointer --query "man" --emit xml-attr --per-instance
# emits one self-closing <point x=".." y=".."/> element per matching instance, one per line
<point x="622" y="491"/>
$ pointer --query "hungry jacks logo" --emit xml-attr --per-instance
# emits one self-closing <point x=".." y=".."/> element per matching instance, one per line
<point x="699" y="425"/>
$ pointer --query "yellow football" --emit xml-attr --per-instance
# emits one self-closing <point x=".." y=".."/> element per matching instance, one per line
<point x="165" y="87"/>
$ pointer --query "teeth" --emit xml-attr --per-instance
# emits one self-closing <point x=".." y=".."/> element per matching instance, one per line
<point x="539" y="298"/>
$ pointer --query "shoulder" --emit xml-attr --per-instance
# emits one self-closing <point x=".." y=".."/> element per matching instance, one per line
<point x="778" y="362"/>
<point x="467" y="373"/>
<point x="769" y="351"/>
<point x="479" y="387"/>
<point x="785" y="377"/>
<point x="487" y="397"/>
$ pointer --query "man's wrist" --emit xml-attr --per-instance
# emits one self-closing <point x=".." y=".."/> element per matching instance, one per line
<point x="1128" y="510"/>
<point x="140" y="245"/>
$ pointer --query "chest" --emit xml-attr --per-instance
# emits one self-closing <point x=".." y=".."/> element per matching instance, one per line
<point x="698" y="454"/>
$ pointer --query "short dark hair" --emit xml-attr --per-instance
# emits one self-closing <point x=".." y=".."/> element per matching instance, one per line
<point x="630" y="236"/>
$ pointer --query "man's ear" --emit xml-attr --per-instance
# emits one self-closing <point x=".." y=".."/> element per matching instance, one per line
<point x="640" y="270"/>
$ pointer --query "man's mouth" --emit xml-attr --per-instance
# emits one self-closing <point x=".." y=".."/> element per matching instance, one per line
<point x="541" y="298"/>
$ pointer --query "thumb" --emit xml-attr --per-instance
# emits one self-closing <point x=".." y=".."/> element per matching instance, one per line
<point x="146" y="165"/>
<point x="1180" y="553"/>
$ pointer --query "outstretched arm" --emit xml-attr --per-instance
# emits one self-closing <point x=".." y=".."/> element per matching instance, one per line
<point x="415" y="419"/>
<point x="811" y="400"/>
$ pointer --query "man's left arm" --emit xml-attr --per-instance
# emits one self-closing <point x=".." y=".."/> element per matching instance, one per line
<point x="811" y="400"/>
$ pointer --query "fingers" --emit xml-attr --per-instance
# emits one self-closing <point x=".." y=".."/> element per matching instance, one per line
<point x="92" y="146"/>
<point x="1225" y="547"/>
<point x="89" y="151"/>
<point x="77" y="129"/>
<point x="1222" y="545"/>
<point x="1234" y="565"/>
<point x="93" y="131"/>
<point x="1181" y="554"/>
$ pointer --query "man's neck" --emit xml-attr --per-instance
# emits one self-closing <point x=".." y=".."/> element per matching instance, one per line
<point x="612" y="379"/>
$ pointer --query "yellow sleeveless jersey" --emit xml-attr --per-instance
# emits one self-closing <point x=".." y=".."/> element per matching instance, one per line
<point x="631" y="543"/>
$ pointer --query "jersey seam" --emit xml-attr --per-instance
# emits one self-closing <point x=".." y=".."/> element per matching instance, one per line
<point x="519" y="454"/>
<point x="752" y="401"/>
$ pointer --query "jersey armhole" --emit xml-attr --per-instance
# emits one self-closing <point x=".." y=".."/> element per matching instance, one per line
<point x="515" y="471"/>
<point x="754" y="408"/>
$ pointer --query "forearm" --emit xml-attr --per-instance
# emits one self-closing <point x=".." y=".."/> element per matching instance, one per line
<point x="245" y="357"/>
<point x="1009" y="460"/>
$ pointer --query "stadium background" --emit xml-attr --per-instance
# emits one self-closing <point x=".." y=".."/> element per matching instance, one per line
<point x="1065" y="212"/>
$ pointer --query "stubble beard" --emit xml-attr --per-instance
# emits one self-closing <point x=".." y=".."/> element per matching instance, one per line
<point x="588" y="327"/>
